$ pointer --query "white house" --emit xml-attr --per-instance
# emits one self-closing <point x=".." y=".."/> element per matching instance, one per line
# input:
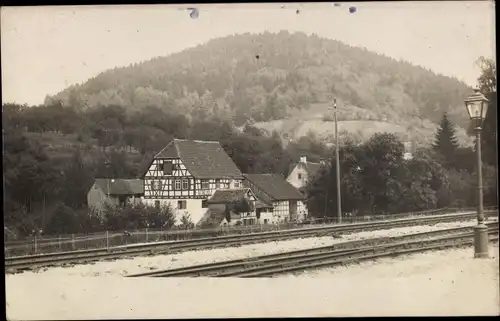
<point x="302" y="171"/>
<point x="409" y="150"/>
<point x="218" y="208"/>
<point x="186" y="173"/>
<point x="279" y="201"/>
<point x="114" y="191"/>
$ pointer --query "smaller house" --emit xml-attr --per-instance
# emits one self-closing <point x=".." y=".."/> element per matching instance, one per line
<point x="409" y="150"/>
<point x="302" y="171"/>
<point x="220" y="203"/>
<point x="114" y="191"/>
<point x="279" y="201"/>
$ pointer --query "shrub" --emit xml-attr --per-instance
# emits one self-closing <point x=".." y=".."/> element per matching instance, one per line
<point x="64" y="221"/>
<point x="186" y="221"/>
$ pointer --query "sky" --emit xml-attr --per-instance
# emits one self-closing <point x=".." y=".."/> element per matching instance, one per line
<point x="46" y="49"/>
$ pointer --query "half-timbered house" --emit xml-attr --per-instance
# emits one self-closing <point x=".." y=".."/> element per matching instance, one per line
<point x="288" y="203"/>
<point x="186" y="173"/>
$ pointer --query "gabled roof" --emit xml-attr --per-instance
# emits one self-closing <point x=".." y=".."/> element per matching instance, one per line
<point x="275" y="186"/>
<point x="311" y="168"/>
<point x="119" y="186"/>
<point x="228" y="195"/>
<point x="215" y="216"/>
<point x="203" y="159"/>
<point x="262" y="204"/>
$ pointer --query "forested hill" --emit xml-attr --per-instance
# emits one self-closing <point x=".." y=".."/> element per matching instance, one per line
<point x="270" y="76"/>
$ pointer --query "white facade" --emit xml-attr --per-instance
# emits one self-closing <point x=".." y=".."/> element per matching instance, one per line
<point x="191" y="206"/>
<point x="302" y="210"/>
<point x="299" y="174"/>
<point x="266" y="217"/>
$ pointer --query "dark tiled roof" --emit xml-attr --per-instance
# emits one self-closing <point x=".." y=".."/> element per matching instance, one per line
<point x="227" y="195"/>
<point x="215" y="216"/>
<point x="312" y="168"/>
<point x="203" y="159"/>
<point x="121" y="186"/>
<point x="261" y="204"/>
<point x="275" y="186"/>
<point x="212" y="216"/>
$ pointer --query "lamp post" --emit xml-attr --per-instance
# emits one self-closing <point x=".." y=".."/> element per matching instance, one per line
<point x="337" y="162"/>
<point x="477" y="106"/>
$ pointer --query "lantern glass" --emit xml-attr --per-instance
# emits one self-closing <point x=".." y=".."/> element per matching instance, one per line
<point x="477" y="106"/>
<point x="484" y="109"/>
<point x="475" y="109"/>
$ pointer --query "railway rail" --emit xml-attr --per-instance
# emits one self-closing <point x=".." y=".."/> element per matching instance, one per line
<point x="13" y="264"/>
<point x="341" y="253"/>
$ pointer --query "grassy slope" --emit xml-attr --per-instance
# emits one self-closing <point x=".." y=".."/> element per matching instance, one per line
<point x="318" y="120"/>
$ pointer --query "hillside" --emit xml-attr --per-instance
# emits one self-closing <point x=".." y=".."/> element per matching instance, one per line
<point x="266" y="77"/>
<point x="321" y="125"/>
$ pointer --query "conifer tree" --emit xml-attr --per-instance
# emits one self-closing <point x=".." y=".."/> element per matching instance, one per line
<point x="446" y="142"/>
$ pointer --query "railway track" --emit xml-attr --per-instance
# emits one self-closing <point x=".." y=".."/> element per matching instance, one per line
<point x="14" y="264"/>
<point x="341" y="253"/>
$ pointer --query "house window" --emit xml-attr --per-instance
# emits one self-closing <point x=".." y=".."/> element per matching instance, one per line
<point x="167" y="168"/>
<point x="237" y="184"/>
<point x="205" y="184"/>
<point x="204" y="204"/>
<point x="299" y="176"/>
<point x="217" y="183"/>
<point x="177" y="184"/>
<point x="181" y="205"/>
<point x="185" y="184"/>
<point x="157" y="204"/>
<point x="265" y="221"/>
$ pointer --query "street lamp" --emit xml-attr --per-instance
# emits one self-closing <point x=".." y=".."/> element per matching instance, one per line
<point x="477" y="106"/>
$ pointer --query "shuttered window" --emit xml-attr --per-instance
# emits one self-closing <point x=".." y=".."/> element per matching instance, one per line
<point x="167" y="168"/>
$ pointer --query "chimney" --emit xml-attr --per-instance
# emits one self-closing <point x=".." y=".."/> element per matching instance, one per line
<point x="303" y="159"/>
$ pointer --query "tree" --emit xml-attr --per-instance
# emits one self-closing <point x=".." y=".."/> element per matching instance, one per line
<point x="368" y="178"/>
<point x="487" y="85"/>
<point x="77" y="175"/>
<point x="321" y="193"/>
<point x="446" y="143"/>
<point x="461" y="191"/>
<point x="64" y="221"/>
<point x="186" y="221"/>
<point x="380" y="163"/>
<point x="165" y="217"/>
<point x="422" y="180"/>
<point x="489" y="140"/>
<point x="487" y="81"/>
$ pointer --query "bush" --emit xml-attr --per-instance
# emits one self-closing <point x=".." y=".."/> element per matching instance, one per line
<point x="461" y="190"/>
<point x="138" y="216"/>
<point x="165" y="217"/>
<point x="64" y="221"/>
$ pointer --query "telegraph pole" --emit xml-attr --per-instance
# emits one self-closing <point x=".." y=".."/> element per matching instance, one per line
<point x="337" y="161"/>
